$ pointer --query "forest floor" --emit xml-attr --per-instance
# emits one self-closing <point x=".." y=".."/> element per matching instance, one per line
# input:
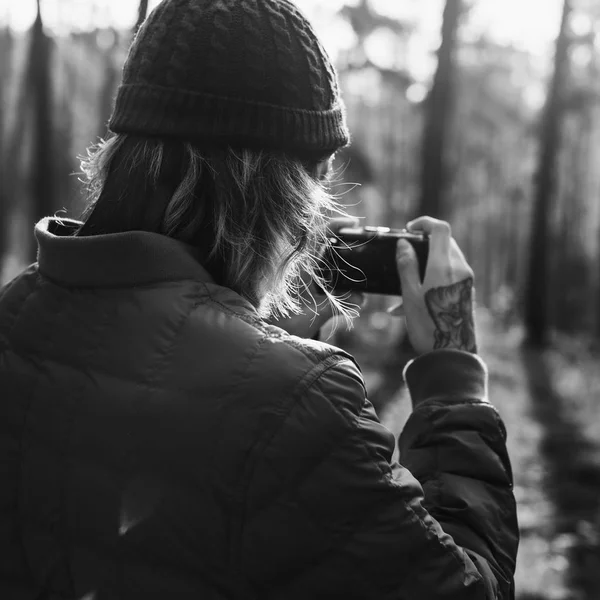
<point x="550" y="402"/>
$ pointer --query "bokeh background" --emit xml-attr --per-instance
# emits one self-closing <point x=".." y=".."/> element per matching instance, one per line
<point x="482" y="112"/>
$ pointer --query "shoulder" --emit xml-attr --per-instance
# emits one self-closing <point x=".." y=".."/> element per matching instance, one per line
<point x="15" y="293"/>
<point x="227" y="338"/>
<point x="21" y="285"/>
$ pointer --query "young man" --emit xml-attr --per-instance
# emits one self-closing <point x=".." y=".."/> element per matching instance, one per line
<point x="158" y="438"/>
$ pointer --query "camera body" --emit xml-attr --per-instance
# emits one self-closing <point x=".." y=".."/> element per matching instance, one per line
<point x="364" y="259"/>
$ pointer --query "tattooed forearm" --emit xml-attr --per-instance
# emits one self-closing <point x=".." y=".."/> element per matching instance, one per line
<point x="451" y="308"/>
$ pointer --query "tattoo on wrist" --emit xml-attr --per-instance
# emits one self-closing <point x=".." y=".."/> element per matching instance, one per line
<point x="451" y="308"/>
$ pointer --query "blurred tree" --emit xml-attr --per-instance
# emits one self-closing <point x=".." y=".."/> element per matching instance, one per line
<point x="32" y="190"/>
<point x="17" y="126"/>
<point x="569" y="279"/>
<point x="573" y="282"/>
<point x="438" y="113"/>
<point x="40" y="89"/>
<point x="536" y="290"/>
<point x="491" y="140"/>
<point x="364" y="20"/>
<point x="6" y="42"/>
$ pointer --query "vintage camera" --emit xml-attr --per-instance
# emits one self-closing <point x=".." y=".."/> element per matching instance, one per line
<point x="364" y="259"/>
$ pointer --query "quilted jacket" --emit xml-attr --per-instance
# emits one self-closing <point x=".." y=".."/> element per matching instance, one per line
<point x="158" y="440"/>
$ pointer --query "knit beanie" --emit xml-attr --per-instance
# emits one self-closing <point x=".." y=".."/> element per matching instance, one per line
<point x="240" y="73"/>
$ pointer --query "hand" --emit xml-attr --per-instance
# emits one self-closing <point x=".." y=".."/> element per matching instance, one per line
<point x="439" y="311"/>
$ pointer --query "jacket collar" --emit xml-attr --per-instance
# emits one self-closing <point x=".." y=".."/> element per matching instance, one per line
<point x="132" y="258"/>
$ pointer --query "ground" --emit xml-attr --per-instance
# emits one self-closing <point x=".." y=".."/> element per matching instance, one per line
<point x="550" y="402"/>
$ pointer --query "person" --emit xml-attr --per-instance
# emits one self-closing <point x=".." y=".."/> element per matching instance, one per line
<point x="162" y="437"/>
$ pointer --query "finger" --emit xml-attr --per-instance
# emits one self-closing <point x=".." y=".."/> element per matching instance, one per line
<point x="408" y="266"/>
<point x="430" y="225"/>
<point x="440" y="232"/>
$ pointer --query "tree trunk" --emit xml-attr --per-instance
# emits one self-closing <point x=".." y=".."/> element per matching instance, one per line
<point x="574" y="286"/>
<point x="42" y="163"/>
<point x="438" y="114"/>
<point x="16" y="198"/>
<point x="536" y="295"/>
<point x="5" y="57"/>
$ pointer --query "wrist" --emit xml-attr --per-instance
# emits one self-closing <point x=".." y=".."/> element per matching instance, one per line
<point x="446" y="375"/>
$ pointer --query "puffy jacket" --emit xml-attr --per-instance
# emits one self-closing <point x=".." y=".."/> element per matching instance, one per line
<point x="158" y="440"/>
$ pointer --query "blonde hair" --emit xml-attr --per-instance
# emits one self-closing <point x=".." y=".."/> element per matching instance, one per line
<point x="261" y="217"/>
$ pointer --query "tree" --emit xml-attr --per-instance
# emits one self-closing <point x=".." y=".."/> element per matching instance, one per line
<point x="438" y="114"/>
<point x="33" y="120"/>
<point x="536" y="287"/>
<point x="5" y="55"/>
<point x="40" y="88"/>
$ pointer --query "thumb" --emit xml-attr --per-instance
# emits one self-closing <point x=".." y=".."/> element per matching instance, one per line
<point x="408" y="265"/>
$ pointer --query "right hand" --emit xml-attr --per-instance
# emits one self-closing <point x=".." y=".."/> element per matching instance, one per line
<point x="439" y="311"/>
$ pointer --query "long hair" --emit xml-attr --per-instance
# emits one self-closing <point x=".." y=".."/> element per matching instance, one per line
<point x="258" y="218"/>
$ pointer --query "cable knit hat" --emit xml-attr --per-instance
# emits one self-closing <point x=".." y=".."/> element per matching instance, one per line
<point x="241" y="73"/>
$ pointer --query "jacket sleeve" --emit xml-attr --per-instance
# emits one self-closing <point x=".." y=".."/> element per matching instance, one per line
<point x="455" y="445"/>
<point x="335" y="518"/>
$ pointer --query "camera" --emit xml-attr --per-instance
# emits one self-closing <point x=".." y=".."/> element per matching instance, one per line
<point x="364" y="259"/>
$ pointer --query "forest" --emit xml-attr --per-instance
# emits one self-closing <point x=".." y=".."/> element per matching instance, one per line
<point x="493" y="133"/>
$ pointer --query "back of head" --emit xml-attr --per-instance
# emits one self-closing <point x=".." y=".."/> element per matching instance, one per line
<point x="225" y="109"/>
<point x="242" y="73"/>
